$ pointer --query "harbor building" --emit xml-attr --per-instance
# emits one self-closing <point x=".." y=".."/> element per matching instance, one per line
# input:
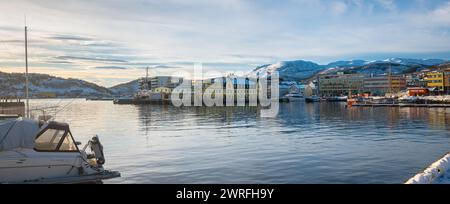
<point x="164" y="81"/>
<point x="447" y="80"/>
<point x="241" y="86"/>
<point x="340" y="84"/>
<point x="435" y="81"/>
<point x="381" y="85"/>
<point x="417" y="91"/>
<point x="415" y="80"/>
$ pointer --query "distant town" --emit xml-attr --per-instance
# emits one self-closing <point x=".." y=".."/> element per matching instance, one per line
<point x="427" y="81"/>
<point x="338" y="86"/>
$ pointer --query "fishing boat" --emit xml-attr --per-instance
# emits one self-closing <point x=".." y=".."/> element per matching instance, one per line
<point x="33" y="152"/>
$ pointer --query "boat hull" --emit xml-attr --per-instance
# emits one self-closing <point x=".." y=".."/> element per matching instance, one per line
<point x="29" y="166"/>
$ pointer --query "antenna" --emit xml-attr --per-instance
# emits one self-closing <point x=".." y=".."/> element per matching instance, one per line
<point x="26" y="72"/>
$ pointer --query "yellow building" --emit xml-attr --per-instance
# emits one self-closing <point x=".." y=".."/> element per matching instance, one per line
<point x="435" y="79"/>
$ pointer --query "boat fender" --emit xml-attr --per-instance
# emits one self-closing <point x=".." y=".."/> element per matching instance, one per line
<point x="97" y="148"/>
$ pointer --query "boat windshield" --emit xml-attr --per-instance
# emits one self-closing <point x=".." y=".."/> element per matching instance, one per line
<point x="55" y="139"/>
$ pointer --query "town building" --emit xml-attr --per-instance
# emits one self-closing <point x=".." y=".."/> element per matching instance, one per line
<point x="340" y="84"/>
<point x="165" y="81"/>
<point x="435" y="81"/>
<point x="381" y="85"/>
<point x="415" y="80"/>
<point x="447" y="80"/>
<point x="418" y="91"/>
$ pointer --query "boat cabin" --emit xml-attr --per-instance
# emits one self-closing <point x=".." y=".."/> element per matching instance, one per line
<point x="55" y="137"/>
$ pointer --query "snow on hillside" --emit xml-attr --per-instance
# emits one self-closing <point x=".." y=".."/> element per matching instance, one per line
<point x="405" y="61"/>
<point x="300" y="70"/>
<point x="352" y="63"/>
<point x="126" y="89"/>
<point x="289" y="69"/>
<point x="42" y="85"/>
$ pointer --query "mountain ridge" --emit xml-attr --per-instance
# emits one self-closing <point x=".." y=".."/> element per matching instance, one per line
<point x="301" y="69"/>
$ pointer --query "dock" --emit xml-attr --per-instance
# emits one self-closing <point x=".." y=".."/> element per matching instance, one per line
<point x="11" y="107"/>
<point x="404" y="105"/>
<point x="99" y="99"/>
<point x="132" y="101"/>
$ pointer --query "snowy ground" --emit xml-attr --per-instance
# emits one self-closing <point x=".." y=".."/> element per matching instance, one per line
<point x="444" y="179"/>
<point x="436" y="173"/>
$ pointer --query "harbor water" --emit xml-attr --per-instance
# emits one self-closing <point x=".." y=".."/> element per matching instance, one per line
<point x="305" y="143"/>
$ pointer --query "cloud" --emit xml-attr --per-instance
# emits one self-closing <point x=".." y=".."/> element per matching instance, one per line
<point x="162" y="66"/>
<point x="441" y="15"/>
<point x="339" y="7"/>
<point x="70" y="37"/>
<point x="388" y="4"/>
<point x="58" y="62"/>
<point x="110" y="67"/>
<point x="97" y="59"/>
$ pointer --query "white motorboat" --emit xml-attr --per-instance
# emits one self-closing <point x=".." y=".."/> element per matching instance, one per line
<point x="294" y="97"/>
<point x="45" y="152"/>
<point x="312" y="99"/>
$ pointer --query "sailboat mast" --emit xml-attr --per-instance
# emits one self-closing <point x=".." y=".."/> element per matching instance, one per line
<point x="390" y="80"/>
<point x="26" y="75"/>
<point x="146" y="79"/>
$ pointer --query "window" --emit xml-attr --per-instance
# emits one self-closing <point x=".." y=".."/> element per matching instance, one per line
<point x="55" y="140"/>
<point x="68" y="144"/>
<point x="49" y="140"/>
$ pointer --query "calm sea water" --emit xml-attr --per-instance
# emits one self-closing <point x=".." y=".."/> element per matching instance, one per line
<point x="306" y="143"/>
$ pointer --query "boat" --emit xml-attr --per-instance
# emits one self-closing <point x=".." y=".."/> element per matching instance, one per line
<point x="312" y="99"/>
<point x="338" y="99"/>
<point x="33" y="152"/>
<point x="144" y="96"/>
<point x="44" y="151"/>
<point x="294" y="97"/>
<point x="436" y="173"/>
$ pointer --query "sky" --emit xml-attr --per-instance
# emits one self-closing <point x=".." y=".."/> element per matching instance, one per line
<point x="112" y="41"/>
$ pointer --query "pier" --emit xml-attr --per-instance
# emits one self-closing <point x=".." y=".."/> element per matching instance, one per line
<point x="404" y="105"/>
<point x="132" y="101"/>
<point x="11" y="108"/>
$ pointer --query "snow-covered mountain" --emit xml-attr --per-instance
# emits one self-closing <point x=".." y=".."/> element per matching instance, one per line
<point x="289" y="70"/>
<point x="352" y="63"/>
<point x="406" y="61"/>
<point x="300" y="70"/>
<point x="126" y="89"/>
<point x="43" y="85"/>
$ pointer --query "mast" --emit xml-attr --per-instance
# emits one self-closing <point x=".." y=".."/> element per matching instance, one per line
<point x="390" y="80"/>
<point x="26" y="75"/>
<point x="146" y="79"/>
